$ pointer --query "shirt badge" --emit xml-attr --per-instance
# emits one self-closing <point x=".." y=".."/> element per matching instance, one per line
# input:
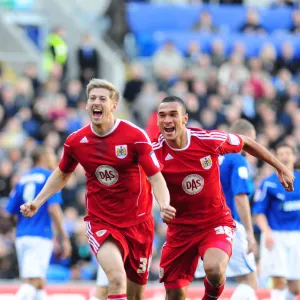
<point x="121" y="151"/>
<point x="206" y="162"/>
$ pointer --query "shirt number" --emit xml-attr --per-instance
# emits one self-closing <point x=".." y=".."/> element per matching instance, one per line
<point x="29" y="192"/>
<point x="143" y="265"/>
<point x="225" y="230"/>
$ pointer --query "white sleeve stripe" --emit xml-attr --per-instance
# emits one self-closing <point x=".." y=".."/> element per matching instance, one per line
<point x="211" y="136"/>
<point x="141" y="130"/>
<point x="143" y="143"/>
<point x="67" y="145"/>
<point x="266" y="185"/>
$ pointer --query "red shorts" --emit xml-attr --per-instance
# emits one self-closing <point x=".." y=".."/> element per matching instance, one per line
<point x="135" y="243"/>
<point x="183" y="248"/>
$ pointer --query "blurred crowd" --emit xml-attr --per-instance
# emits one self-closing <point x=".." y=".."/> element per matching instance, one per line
<point x="218" y="89"/>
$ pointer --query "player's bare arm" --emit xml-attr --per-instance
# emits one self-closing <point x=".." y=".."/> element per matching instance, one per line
<point x="55" y="182"/>
<point x="162" y="196"/>
<point x="243" y="208"/>
<point x="57" y="216"/>
<point x="285" y="176"/>
<point x="262" y="223"/>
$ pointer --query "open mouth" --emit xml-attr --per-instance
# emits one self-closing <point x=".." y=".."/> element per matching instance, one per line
<point x="169" y="129"/>
<point x="97" y="113"/>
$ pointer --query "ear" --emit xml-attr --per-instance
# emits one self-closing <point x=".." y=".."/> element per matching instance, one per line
<point x="114" y="105"/>
<point x="185" y="118"/>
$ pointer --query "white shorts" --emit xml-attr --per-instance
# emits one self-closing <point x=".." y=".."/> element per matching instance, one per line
<point x="34" y="255"/>
<point x="240" y="263"/>
<point x="102" y="279"/>
<point x="283" y="260"/>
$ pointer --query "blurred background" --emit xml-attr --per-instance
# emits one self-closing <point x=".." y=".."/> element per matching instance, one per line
<point x="226" y="59"/>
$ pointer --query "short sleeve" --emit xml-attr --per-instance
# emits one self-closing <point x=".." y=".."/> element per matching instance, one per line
<point x="56" y="199"/>
<point x="13" y="204"/>
<point x="222" y="143"/>
<point x="240" y="176"/>
<point x="146" y="156"/>
<point x="261" y="199"/>
<point x="67" y="163"/>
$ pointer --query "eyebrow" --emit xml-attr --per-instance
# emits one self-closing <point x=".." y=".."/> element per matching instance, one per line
<point x="172" y="111"/>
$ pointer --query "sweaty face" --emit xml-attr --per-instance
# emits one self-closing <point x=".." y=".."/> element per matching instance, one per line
<point x="286" y="156"/>
<point x="171" y="120"/>
<point x="100" y="106"/>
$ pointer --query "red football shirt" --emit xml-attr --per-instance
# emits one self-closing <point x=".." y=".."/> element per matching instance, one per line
<point x="193" y="175"/>
<point x="116" y="166"/>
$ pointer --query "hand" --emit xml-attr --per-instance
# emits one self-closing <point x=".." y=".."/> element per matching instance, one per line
<point x="269" y="242"/>
<point x="67" y="248"/>
<point x="286" y="178"/>
<point x="252" y="245"/>
<point x="167" y="212"/>
<point x="28" y="209"/>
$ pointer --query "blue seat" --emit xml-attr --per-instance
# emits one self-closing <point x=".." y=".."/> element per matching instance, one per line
<point x="253" y="43"/>
<point x="58" y="273"/>
<point x="149" y="18"/>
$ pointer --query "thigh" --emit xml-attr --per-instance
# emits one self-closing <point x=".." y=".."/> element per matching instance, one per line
<point x="274" y="262"/>
<point x="140" y="241"/>
<point x="110" y="258"/>
<point x="29" y="249"/>
<point x="179" y="257"/>
<point x="241" y="262"/>
<point x="219" y="237"/>
<point x="293" y="267"/>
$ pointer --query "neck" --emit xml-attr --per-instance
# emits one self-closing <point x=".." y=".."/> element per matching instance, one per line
<point x="180" y="142"/>
<point x="103" y="129"/>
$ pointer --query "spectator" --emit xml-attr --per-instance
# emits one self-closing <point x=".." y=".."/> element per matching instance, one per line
<point x="296" y="22"/>
<point x="218" y="53"/>
<point x="252" y="24"/>
<point x="287" y="59"/>
<point x="135" y="84"/>
<point x="87" y="59"/>
<point x="205" y="23"/>
<point x="168" y="58"/>
<point x="56" y="51"/>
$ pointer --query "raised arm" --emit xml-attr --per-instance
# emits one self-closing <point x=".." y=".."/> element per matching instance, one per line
<point x="55" y="182"/>
<point x="285" y="176"/>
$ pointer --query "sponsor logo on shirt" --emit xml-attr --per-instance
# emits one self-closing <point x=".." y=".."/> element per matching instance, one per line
<point x="107" y="175"/>
<point x="84" y="140"/>
<point x="101" y="232"/>
<point x="193" y="184"/>
<point x="206" y="162"/>
<point x="121" y="151"/>
<point x="290" y="206"/>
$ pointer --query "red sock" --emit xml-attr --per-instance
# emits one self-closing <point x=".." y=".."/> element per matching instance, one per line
<point x="212" y="293"/>
<point x="117" y="297"/>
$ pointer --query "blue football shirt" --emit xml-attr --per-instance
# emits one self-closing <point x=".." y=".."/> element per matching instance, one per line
<point x="28" y="187"/>
<point x="281" y="208"/>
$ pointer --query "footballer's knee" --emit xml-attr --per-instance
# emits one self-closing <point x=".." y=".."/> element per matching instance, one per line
<point x="176" y="294"/>
<point x="117" y="281"/>
<point x="294" y="287"/>
<point x="215" y="274"/>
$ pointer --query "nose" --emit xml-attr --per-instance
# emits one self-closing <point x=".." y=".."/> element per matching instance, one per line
<point x="168" y="120"/>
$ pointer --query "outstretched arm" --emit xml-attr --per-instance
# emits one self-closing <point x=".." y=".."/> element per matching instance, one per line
<point x="55" y="182"/>
<point x="285" y="176"/>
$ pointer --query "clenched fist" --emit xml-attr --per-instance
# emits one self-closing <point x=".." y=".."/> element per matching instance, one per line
<point x="167" y="212"/>
<point x="28" y="209"/>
